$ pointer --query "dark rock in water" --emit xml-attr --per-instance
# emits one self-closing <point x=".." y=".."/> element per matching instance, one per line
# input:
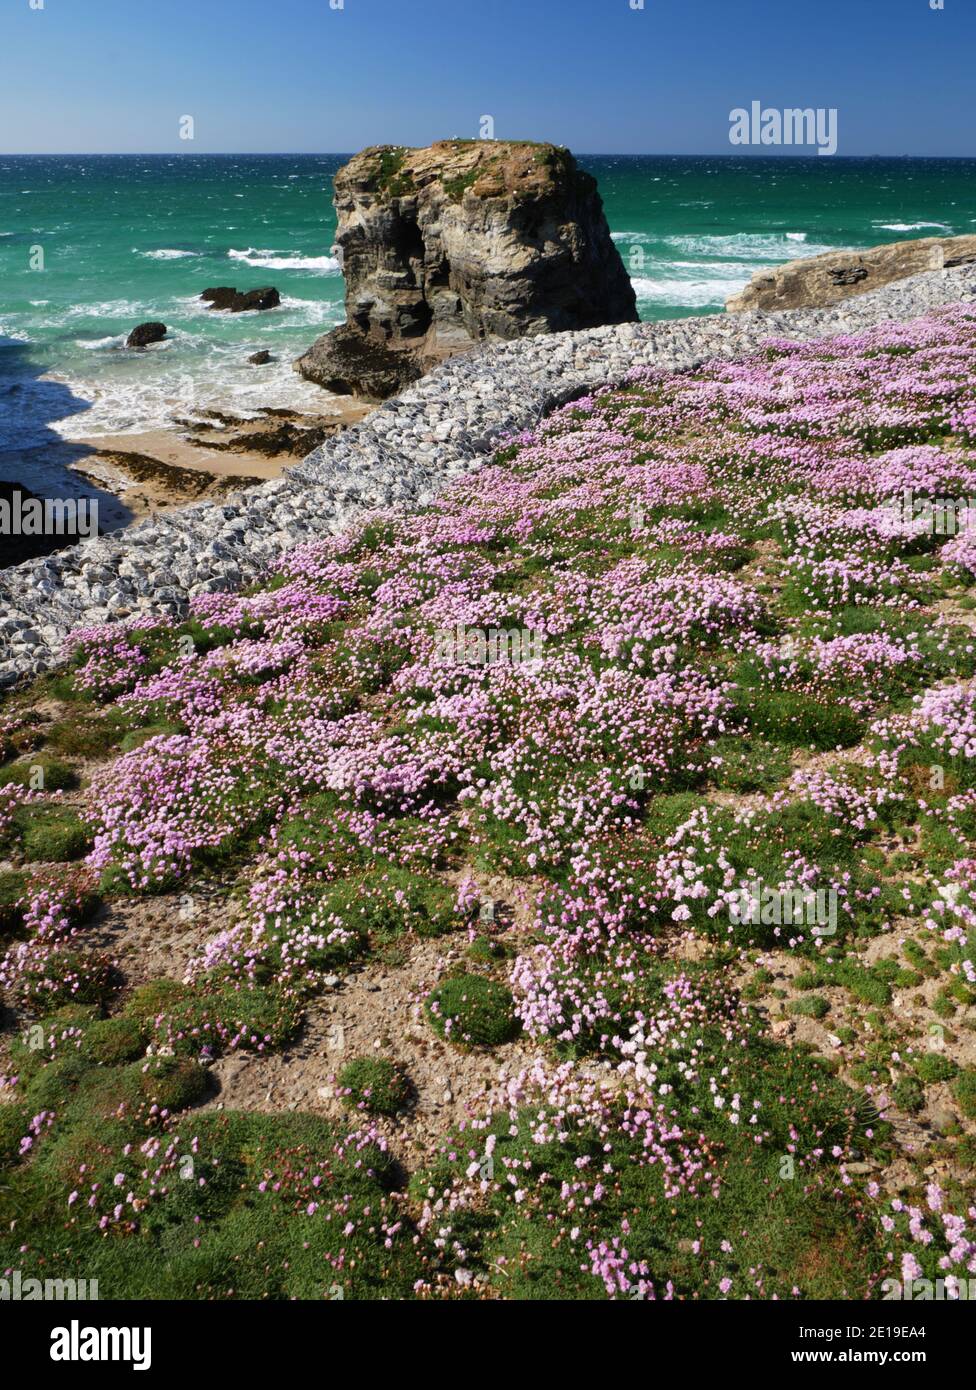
<point x="349" y="364"/>
<point x="146" y="333"/>
<point x="220" y="297"/>
<point x="259" y="358"/>
<point x="460" y="242"/>
<point x="266" y="298"/>
<point x="237" y="302"/>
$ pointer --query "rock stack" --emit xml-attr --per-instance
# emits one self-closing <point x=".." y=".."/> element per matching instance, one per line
<point x="461" y="242"/>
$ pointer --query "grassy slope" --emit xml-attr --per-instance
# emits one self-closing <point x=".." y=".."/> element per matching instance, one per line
<point x="727" y="694"/>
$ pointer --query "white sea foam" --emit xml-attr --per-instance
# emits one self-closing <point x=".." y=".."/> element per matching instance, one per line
<point x="166" y="253"/>
<point x="99" y="344"/>
<point x="910" y="226"/>
<point x="274" y="260"/>
<point x="291" y="313"/>
<point x="299" y="313"/>
<point x="764" y="247"/>
<point x="131" y="404"/>
<point x="722" y="266"/>
<point x="692" y="294"/>
<point x="107" y="309"/>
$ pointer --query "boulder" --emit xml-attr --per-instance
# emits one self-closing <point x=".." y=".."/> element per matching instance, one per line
<point x="460" y="242"/>
<point x="348" y="363"/>
<point x="239" y="302"/>
<point x="266" y="298"/>
<point x="220" y="297"/>
<point x="259" y="358"/>
<point x="821" y="280"/>
<point x="145" y="334"/>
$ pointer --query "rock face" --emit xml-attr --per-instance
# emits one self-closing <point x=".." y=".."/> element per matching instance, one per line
<point x="145" y="334"/>
<point x="235" y="302"/>
<point x="460" y="242"/>
<point x="822" y="280"/>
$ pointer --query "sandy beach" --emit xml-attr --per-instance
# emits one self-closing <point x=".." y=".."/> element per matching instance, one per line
<point x="157" y="470"/>
<point x="135" y="475"/>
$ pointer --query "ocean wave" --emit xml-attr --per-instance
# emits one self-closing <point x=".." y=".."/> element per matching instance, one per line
<point x="291" y="313"/>
<point x="273" y="260"/>
<point x="301" y="313"/>
<point x="98" y="344"/>
<point x="106" y="309"/>
<point x="166" y="253"/>
<point x="687" y="294"/>
<point x="768" y="247"/>
<point x="910" y="226"/>
<point x="134" y="404"/>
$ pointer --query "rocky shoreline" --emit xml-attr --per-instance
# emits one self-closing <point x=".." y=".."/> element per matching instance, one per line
<point x="818" y="280"/>
<point x="401" y="455"/>
<point x="134" y="476"/>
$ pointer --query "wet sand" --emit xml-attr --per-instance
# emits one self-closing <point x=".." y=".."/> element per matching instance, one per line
<point x="133" y="476"/>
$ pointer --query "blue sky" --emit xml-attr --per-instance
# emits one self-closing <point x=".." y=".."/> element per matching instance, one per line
<point x="98" y="76"/>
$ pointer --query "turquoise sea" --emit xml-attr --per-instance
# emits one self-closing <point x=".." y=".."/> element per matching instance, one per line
<point x="128" y="238"/>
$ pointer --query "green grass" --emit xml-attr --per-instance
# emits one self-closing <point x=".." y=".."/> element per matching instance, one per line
<point x="386" y="903"/>
<point x="39" y="773"/>
<point x="813" y="1006"/>
<point x="374" y="1085"/>
<point x="749" y="764"/>
<point x="472" y="1010"/>
<point x="933" y="1066"/>
<point x="135" y="738"/>
<point x="206" y="1231"/>
<point x="13" y="887"/>
<point x="787" y="1220"/>
<point x="964" y="1091"/>
<point x="795" y="720"/>
<point x="908" y="1094"/>
<point x="52" y="834"/>
<point x="390" y="177"/>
